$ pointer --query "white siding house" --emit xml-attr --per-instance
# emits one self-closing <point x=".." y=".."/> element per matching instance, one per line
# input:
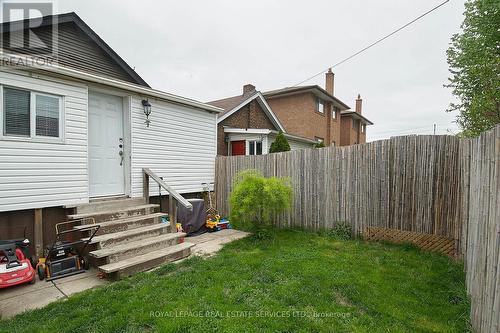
<point x="76" y="165"/>
<point x="39" y="172"/>
<point x="179" y="145"/>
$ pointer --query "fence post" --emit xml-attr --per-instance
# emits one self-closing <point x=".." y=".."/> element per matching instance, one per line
<point x="172" y="213"/>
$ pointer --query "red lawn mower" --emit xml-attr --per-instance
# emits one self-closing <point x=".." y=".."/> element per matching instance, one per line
<point x="15" y="267"/>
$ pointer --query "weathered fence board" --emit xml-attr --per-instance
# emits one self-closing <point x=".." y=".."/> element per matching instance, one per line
<point x="436" y="185"/>
<point x="481" y="228"/>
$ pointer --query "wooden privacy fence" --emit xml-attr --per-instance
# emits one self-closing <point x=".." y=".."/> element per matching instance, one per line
<point x="434" y="185"/>
<point x="409" y="183"/>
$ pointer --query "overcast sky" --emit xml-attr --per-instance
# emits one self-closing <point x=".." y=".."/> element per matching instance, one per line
<point x="207" y="50"/>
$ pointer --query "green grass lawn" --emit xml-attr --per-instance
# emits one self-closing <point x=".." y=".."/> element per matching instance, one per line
<point x="297" y="282"/>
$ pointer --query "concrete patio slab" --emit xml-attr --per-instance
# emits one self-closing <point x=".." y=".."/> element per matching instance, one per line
<point x="209" y="244"/>
<point x="18" y="299"/>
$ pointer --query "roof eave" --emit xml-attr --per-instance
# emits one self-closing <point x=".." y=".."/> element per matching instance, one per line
<point x="317" y="90"/>
<point x="128" y="86"/>
<point x="355" y="115"/>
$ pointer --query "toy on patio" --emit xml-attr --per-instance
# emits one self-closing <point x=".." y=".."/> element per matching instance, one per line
<point x="215" y="223"/>
<point x="15" y="267"/>
<point x="66" y="257"/>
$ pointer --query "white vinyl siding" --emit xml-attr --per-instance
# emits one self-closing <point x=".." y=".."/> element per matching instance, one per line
<point x="179" y="145"/>
<point x="35" y="173"/>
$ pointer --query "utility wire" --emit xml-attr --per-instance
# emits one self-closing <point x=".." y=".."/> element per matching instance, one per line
<point x="374" y="43"/>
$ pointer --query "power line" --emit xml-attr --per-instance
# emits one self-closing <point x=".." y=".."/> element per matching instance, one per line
<point x="374" y="43"/>
<point x="407" y="131"/>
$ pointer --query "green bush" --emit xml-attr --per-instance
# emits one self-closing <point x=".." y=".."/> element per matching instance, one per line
<point x="320" y="144"/>
<point x="341" y="231"/>
<point x="255" y="200"/>
<point x="280" y="144"/>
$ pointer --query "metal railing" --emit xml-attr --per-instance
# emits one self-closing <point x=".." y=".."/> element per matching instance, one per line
<point x="173" y="196"/>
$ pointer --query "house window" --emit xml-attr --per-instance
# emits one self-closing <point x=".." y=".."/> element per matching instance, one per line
<point x="363" y="128"/>
<point x="317" y="138"/>
<point x="335" y="112"/>
<point x="320" y="105"/>
<point x="16" y="106"/>
<point x="355" y="124"/>
<point x="333" y="143"/>
<point x="30" y="114"/>
<point x="254" y="147"/>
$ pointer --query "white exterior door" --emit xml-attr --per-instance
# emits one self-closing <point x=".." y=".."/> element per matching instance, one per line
<point x="106" y="165"/>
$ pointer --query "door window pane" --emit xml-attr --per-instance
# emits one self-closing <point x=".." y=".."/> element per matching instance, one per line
<point x="16" y="112"/>
<point x="47" y="116"/>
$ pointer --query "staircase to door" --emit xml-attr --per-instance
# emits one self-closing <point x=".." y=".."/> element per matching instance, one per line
<point x="132" y="236"/>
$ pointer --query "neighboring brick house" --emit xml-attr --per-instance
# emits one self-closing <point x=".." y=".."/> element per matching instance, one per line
<point x="315" y="113"/>
<point x="248" y="126"/>
<point x="353" y="125"/>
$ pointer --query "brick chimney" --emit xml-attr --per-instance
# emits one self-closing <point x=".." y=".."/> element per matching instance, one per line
<point x="359" y="104"/>
<point x="329" y="81"/>
<point x="248" y="89"/>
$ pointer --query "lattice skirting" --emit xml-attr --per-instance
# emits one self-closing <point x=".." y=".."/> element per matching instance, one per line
<point x="424" y="241"/>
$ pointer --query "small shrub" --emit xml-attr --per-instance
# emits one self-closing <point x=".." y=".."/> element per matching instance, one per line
<point x="341" y="231"/>
<point x="280" y="144"/>
<point x="255" y="200"/>
<point x="320" y="144"/>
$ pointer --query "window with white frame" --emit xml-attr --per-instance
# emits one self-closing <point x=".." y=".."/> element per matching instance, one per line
<point x="335" y="112"/>
<point x="31" y="114"/>
<point x="320" y="105"/>
<point x="254" y="147"/>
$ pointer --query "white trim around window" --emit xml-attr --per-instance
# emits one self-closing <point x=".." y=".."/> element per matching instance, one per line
<point x="33" y="137"/>
<point x="253" y="145"/>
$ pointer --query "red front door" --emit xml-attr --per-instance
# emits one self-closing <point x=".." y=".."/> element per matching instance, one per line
<point x="238" y="148"/>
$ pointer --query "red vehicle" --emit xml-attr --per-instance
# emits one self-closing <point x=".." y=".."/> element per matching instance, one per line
<point x="15" y="268"/>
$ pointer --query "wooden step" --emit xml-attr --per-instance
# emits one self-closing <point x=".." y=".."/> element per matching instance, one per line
<point x="132" y="249"/>
<point x="114" y="214"/>
<point x="109" y="204"/>
<point x="126" y="223"/>
<point x="131" y="235"/>
<point x="146" y="261"/>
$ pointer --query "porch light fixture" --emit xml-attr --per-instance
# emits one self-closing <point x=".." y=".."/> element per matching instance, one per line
<point x="147" y="110"/>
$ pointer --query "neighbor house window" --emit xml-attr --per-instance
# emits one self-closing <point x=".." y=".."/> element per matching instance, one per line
<point x="355" y="124"/>
<point x="363" y="128"/>
<point x="335" y="113"/>
<point x="320" y="105"/>
<point x="254" y="147"/>
<point x="317" y="138"/>
<point x="30" y="114"/>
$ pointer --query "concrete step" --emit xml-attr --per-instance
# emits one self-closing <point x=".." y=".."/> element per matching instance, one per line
<point x="115" y="214"/>
<point x="146" y="261"/>
<point x="128" y="250"/>
<point x="124" y="224"/>
<point x="121" y="237"/>
<point x="109" y="204"/>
